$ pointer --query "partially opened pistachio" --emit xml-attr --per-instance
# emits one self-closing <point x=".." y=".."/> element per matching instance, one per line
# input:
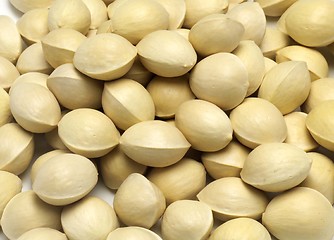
<point x="98" y="12"/>
<point x="227" y="162"/>
<point x="276" y="167"/>
<point x="315" y="61"/>
<point x="5" y="113"/>
<point x="138" y="202"/>
<point x="25" y="212"/>
<point x="43" y="233"/>
<point x="253" y="122"/>
<point x="33" y="25"/>
<point x="273" y="41"/>
<point x="182" y="180"/>
<point x="241" y="228"/>
<point x="286" y="85"/>
<point x="8" y="73"/>
<point x="98" y="56"/>
<point x="176" y="10"/>
<point x="208" y="134"/>
<point x="34" y="107"/>
<point x="288" y="215"/>
<point x="166" y="53"/>
<point x="215" y="33"/>
<point x="126" y="102"/>
<point x="220" y="78"/>
<point x="72" y="14"/>
<point x="65" y="79"/>
<point x="275" y="8"/>
<point x="131" y="233"/>
<point x="17" y="148"/>
<point x="88" y="132"/>
<point x="187" y="220"/>
<point x="139" y="73"/>
<point x="90" y="218"/>
<point x="230" y="198"/>
<point x="64" y="179"/>
<point x="147" y="16"/>
<point x="31" y="77"/>
<point x="154" y="143"/>
<point x="26" y="5"/>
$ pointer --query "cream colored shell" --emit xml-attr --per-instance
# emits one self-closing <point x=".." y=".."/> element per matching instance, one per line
<point x="5" y="113"/>
<point x="17" y="148"/>
<point x="220" y="78"/>
<point x="88" y="132"/>
<point x="176" y="10"/>
<point x="187" y="220"/>
<point x="230" y="198"/>
<point x="138" y="202"/>
<point x="182" y="180"/>
<point x="53" y="139"/>
<point x="90" y="218"/>
<point x="288" y="215"/>
<point x="105" y="27"/>
<point x="30" y="77"/>
<point x="26" y="211"/>
<point x="166" y="53"/>
<point x="64" y="179"/>
<point x="276" y="167"/>
<point x="273" y="40"/>
<point x="99" y="56"/>
<point x="27" y="5"/>
<point x="131" y="233"/>
<point x="98" y="12"/>
<point x="269" y="64"/>
<point x="126" y="102"/>
<point x="184" y="32"/>
<point x="8" y="73"/>
<point x="43" y="233"/>
<point x="154" y="143"/>
<point x="253" y="122"/>
<point x="210" y="133"/>
<point x="139" y="73"/>
<point x="275" y="8"/>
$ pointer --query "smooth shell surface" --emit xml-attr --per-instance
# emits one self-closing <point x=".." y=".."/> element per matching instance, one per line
<point x="176" y="10"/>
<point x="273" y="40"/>
<point x="26" y="5"/>
<point x="133" y="233"/>
<point x="275" y="8"/>
<point x="8" y="73"/>
<point x="32" y="77"/>
<point x="5" y="113"/>
<point x="43" y="233"/>
<point x="98" y="12"/>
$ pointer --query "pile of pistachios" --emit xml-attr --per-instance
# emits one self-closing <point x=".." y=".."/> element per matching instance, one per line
<point x="206" y="120"/>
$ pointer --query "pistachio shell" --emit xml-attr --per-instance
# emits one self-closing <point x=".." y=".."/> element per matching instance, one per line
<point x="230" y="198"/>
<point x="98" y="12"/>
<point x="241" y="229"/>
<point x="154" y="143"/>
<point x="215" y="33"/>
<point x="33" y="25"/>
<point x="187" y="220"/>
<point x="316" y="62"/>
<point x="276" y="167"/>
<point x="115" y="167"/>
<point x="273" y="41"/>
<point x="182" y="180"/>
<point x="138" y="202"/>
<point x="210" y="133"/>
<point x="269" y="64"/>
<point x="25" y="212"/>
<point x="5" y="113"/>
<point x="298" y="134"/>
<point x="72" y="14"/>
<point x="34" y="107"/>
<point x="98" y="56"/>
<point x="30" y="77"/>
<point x="43" y="233"/>
<point x="281" y="23"/>
<point x="286" y="85"/>
<point x="275" y="8"/>
<point x="126" y="102"/>
<point x="147" y="16"/>
<point x="105" y="27"/>
<point x="64" y="179"/>
<point x="227" y="162"/>
<point x="166" y="53"/>
<point x="176" y="10"/>
<point x="16" y="148"/>
<point x="168" y="94"/>
<point x="220" y="78"/>
<point x="288" y="215"/>
<point x="27" y="5"/>
<point x="197" y="9"/>
<point x="8" y="73"/>
<point x="96" y="215"/>
<point x="253" y="122"/>
<point x="184" y="32"/>
<point x="139" y="73"/>
<point x="65" y="79"/>
<point x="88" y="132"/>
<point x="130" y="233"/>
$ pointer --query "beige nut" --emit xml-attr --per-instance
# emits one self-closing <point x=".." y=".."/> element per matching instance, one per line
<point x="176" y="10"/>
<point x="8" y="73"/>
<point x="27" y="5"/>
<point x="273" y="41"/>
<point x="53" y="139"/>
<point x="43" y="233"/>
<point x="139" y="73"/>
<point x="275" y="8"/>
<point x="269" y="64"/>
<point x="98" y="12"/>
<point x="5" y="113"/>
<point x="133" y="232"/>
<point x="30" y="77"/>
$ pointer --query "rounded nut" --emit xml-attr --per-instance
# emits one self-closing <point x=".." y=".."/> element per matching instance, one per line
<point x="269" y="64"/>
<point x="129" y="233"/>
<point x="98" y="12"/>
<point x="53" y="139"/>
<point x="275" y="8"/>
<point x="273" y="40"/>
<point x="8" y="73"/>
<point x="139" y="73"/>
<point x="27" y="5"/>
<point x="5" y="113"/>
<point x="43" y="233"/>
<point x="176" y="10"/>
<point x="30" y="77"/>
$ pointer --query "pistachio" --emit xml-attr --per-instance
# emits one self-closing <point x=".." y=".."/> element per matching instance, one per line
<point x="96" y="215"/>
<point x="43" y="233"/>
<point x="275" y="8"/>
<point x="5" y="113"/>
<point x="53" y="139"/>
<point x="129" y="233"/>
<point x="88" y="132"/>
<point x="139" y="73"/>
<point x="66" y="78"/>
<point x="27" y="5"/>
<point x="220" y="78"/>
<point x="98" y="12"/>
<point x="273" y="41"/>
<point x="176" y="10"/>
<point x="64" y="179"/>
<point x="8" y="73"/>
<point x="30" y="77"/>
<point x="166" y="53"/>
<point x="126" y="102"/>
<point x="253" y="122"/>
<point x="230" y="198"/>
<point x="25" y="212"/>
<point x="17" y="148"/>
<point x="182" y="180"/>
<point x="168" y="94"/>
<point x="288" y="215"/>
<point x="269" y="64"/>
<point x="187" y="220"/>
<point x="98" y="56"/>
<point x="286" y="85"/>
<point x="139" y="208"/>
<point x="154" y="143"/>
<point x="241" y="228"/>
<point x="208" y="134"/>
